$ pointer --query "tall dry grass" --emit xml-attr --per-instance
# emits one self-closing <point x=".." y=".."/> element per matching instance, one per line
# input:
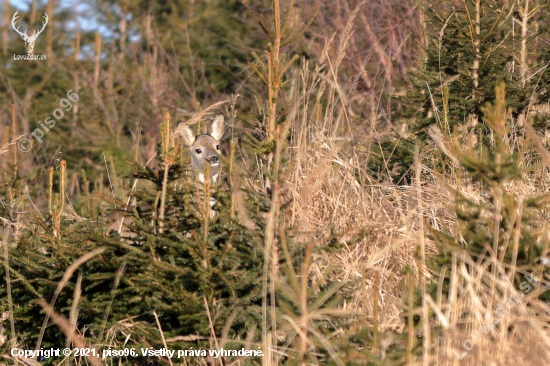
<point x="330" y="188"/>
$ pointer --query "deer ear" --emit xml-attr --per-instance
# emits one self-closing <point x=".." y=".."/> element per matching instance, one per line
<point x="186" y="133"/>
<point x="217" y="127"/>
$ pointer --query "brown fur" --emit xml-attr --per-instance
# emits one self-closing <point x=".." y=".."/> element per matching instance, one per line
<point x="205" y="149"/>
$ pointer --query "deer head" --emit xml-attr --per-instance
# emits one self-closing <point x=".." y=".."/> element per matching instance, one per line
<point x="205" y="149"/>
<point x="29" y="40"/>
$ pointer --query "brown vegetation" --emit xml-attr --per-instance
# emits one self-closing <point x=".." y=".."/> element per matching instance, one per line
<point x="314" y="143"/>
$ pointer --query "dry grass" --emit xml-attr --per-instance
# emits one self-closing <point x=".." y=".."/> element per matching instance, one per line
<point x="4" y="149"/>
<point x="331" y="190"/>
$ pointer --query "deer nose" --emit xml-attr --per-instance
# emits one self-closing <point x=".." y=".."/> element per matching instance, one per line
<point x="214" y="160"/>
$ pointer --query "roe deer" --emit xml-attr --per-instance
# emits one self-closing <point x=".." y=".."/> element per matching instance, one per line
<point x="204" y="149"/>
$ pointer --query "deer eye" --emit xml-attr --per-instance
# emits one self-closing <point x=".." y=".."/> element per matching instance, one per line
<point x="217" y="147"/>
<point x="198" y="151"/>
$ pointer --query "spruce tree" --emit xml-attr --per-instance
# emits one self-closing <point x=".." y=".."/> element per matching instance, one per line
<point x="200" y="276"/>
<point x="470" y="48"/>
<point x="503" y="226"/>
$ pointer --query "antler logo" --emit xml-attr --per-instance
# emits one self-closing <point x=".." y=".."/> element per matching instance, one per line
<point x="29" y="40"/>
